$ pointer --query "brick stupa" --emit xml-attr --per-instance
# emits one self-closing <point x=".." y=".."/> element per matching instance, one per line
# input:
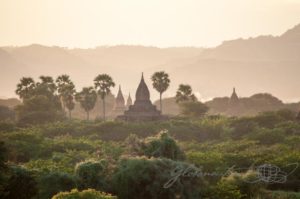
<point x="142" y="109"/>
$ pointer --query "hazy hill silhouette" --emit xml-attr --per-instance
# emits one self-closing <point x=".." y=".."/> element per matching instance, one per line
<point x="262" y="64"/>
<point x="11" y="102"/>
<point x="248" y="106"/>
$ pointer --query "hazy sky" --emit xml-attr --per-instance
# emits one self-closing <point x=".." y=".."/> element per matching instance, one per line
<point x="89" y="23"/>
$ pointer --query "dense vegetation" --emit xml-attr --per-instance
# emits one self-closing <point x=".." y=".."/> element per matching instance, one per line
<point x="87" y="159"/>
<point x="45" y="153"/>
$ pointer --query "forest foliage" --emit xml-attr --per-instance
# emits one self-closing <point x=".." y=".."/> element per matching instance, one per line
<point x="78" y="159"/>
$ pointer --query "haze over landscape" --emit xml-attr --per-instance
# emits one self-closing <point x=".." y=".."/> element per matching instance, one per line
<point x="151" y="99"/>
<point x="126" y="44"/>
<point x="262" y="64"/>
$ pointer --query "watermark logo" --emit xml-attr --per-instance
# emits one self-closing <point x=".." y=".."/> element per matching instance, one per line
<point x="266" y="173"/>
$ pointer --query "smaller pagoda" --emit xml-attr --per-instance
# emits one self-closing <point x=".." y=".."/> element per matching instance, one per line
<point x="233" y="104"/>
<point x="119" y="106"/>
<point x="129" y="101"/>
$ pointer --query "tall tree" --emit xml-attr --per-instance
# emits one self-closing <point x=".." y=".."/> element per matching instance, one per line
<point x="69" y="101"/>
<point x="185" y="93"/>
<point x="66" y="91"/>
<point x="25" y="87"/>
<point x="48" y="82"/>
<point x="161" y="82"/>
<point x="40" y="101"/>
<point x="103" y="84"/>
<point x="46" y="87"/>
<point x="68" y="97"/>
<point x="87" y="99"/>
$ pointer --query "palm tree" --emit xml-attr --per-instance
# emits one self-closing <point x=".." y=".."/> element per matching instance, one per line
<point x="66" y="91"/>
<point x="103" y="83"/>
<point x="48" y="82"/>
<point x="185" y="93"/>
<point x="25" y="87"/>
<point x="68" y="97"/>
<point x="161" y="82"/>
<point x="46" y="87"/>
<point x="87" y="99"/>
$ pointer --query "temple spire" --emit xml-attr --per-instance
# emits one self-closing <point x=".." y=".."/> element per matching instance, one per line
<point x="120" y="102"/>
<point x="142" y="92"/>
<point x="129" y="101"/>
<point x="234" y="99"/>
<point x="234" y="95"/>
<point x="142" y="109"/>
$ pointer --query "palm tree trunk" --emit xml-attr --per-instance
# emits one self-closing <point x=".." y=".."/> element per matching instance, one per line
<point x="70" y="115"/>
<point x="63" y="105"/>
<point x="160" y="94"/>
<point x="103" y="101"/>
<point x="87" y="115"/>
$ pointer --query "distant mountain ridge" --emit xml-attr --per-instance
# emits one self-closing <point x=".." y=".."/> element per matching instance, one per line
<point x="283" y="48"/>
<point x="262" y="64"/>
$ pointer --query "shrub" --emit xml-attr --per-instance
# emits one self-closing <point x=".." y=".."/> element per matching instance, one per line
<point x="209" y="161"/>
<point x="55" y="182"/>
<point x="21" y="184"/>
<point x="3" y="167"/>
<point x="247" y="183"/>
<point x="85" y="194"/>
<point x="227" y="191"/>
<point x="242" y="126"/>
<point x="163" y="146"/>
<point x="281" y="195"/>
<point x="268" y="136"/>
<point x="23" y="145"/>
<point x="138" y="178"/>
<point x="6" y="113"/>
<point x="92" y="174"/>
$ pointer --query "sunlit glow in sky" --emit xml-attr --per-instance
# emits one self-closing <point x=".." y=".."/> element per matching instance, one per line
<point x="89" y="23"/>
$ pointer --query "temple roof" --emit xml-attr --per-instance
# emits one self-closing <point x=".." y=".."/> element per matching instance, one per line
<point x="142" y="92"/>
<point x="129" y="101"/>
<point x="234" y="96"/>
<point x="120" y="99"/>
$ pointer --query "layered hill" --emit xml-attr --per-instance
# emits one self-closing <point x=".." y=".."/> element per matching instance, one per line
<point x="262" y="64"/>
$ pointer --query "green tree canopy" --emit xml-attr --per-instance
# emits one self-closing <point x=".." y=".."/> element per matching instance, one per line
<point x="185" y="93"/>
<point x="85" y="194"/>
<point x="162" y="146"/>
<point x="55" y="182"/>
<point x="138" y="178"/>
<point x="21" y="184"/>
<point x="92" y="174"/>
<point x="25" y="87"/>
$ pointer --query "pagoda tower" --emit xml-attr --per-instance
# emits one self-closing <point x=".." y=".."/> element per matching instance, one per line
<point x="233" y="104"/>
<point x="119" y="106"/>
<point x="129" y="101"/>
<point x="142" y="109"/>
<point x="234" y="99"/>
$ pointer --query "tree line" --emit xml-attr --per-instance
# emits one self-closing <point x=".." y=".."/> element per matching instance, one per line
<point x="55" y="98"/>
